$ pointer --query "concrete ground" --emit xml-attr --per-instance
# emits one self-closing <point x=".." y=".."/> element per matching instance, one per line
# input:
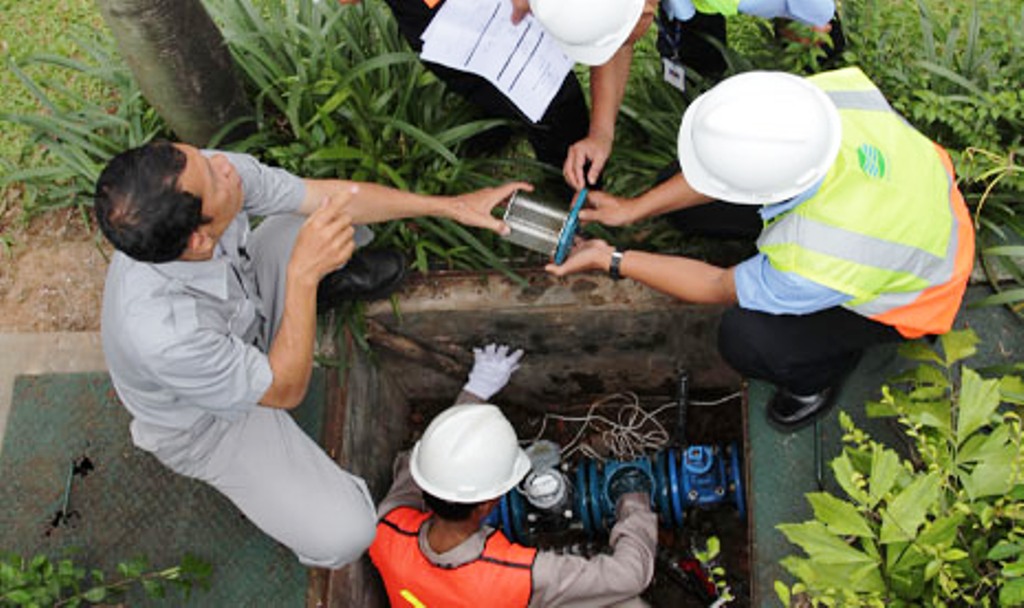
<point x="45" y="353"/>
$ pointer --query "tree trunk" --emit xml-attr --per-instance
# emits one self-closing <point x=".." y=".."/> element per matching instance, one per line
<point x="181" y="63"/>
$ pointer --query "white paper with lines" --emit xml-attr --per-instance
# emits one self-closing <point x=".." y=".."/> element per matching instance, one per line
<point x="522" y="60"/>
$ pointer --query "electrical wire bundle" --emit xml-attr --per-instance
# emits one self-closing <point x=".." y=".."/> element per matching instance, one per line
<point x="627" y="434"/>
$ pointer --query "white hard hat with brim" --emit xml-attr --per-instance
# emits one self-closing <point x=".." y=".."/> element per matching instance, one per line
<point x="589" y="31"/>
<point x="468" y="453"/>
<point x="759" y="138"/>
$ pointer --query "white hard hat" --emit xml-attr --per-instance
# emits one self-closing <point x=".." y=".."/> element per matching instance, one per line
<point x="588" y="31"/>
<point x="759" y="138"/>
<point x="469" y="453"/>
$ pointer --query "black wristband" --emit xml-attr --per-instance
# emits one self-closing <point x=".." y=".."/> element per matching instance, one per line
<point x="613" y="268"/>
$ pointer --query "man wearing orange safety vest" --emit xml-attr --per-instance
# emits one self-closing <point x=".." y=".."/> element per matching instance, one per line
<point x="433" y="549"/>
<point x="862" y="235"/>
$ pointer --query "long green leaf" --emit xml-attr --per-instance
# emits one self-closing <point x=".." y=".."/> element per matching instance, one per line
<point x="841" y="517"/>
<point x="906" y="512"/>
<point x="979" y="399"/>
<point x="822" y="546"/>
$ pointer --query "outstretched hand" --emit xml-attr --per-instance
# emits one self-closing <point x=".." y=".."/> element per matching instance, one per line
<point x="594" y="254"/>
<point x="492" y="369"/>
<point x="474" y="208"/>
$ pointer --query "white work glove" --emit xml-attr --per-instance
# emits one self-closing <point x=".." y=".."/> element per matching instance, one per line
<point x="492" y="368"/>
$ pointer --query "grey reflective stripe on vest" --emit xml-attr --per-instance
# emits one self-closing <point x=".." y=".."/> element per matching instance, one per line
<point x="862" y="249"/>
<point x="867" y="251"/>
<point x="860" y="100"/>
<point x="942" y="273"/>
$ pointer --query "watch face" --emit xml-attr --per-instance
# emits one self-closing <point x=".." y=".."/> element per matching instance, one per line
<point x="613" y="269"/>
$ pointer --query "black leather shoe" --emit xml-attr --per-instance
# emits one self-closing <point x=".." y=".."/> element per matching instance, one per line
<point x="368" y="275"/>
<point x="789" y="411"/>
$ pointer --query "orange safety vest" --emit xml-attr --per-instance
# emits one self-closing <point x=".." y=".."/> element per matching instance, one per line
<point x="501" y="577"/>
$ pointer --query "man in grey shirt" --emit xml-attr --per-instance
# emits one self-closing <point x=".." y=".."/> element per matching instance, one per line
<point x="433" y="549"/>
<point x="209" y="334"/>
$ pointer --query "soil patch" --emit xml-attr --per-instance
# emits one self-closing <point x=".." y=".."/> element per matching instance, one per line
<point x="51" y="273"/>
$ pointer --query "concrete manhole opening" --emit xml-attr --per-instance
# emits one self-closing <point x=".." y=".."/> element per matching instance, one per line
<point x="613" y="376"/>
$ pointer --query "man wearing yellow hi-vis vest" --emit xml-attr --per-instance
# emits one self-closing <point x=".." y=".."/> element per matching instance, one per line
<point x="863" y="236"/>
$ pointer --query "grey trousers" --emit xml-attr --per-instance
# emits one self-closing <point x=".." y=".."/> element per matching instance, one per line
<point x="263" y="462"/>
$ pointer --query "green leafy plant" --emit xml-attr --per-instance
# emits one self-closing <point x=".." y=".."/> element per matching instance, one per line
<point x="339" y="94"/>
<point x="1002" y="255"/>
<point x="76" y="133"/>
<point x="941" y="527"/>
<point x="40" y="581"/>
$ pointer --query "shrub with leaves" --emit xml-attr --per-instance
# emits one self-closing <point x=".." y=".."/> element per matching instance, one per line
<point x="942" y="527"/>
<point x="76" y="133"/>
<point x="41" y="581"/>
<point x="339" y="94"/>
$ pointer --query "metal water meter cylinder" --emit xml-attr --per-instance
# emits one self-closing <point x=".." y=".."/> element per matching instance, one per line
<point x="542" y="226"/>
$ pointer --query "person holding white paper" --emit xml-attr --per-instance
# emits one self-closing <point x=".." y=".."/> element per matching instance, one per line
<point x="601" y="34"/>
<point x="565" y="121"/>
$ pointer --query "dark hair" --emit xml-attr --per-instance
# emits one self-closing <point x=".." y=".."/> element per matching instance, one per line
<point x="139" y="206"/>
<point x="449" y="511"/>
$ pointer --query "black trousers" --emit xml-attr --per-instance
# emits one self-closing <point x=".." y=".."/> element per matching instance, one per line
<point x="566" y="121"/>
<point x="802" y="353"/>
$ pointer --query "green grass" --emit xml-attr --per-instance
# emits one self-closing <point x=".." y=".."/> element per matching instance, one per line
<point x="35" y="27"/>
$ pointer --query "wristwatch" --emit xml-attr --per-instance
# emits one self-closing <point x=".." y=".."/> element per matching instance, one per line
<point x="613" y="269"/>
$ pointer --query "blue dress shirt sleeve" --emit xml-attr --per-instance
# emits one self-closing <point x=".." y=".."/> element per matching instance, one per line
<point x="814" y="12"/>
<point x="759" y="286"/>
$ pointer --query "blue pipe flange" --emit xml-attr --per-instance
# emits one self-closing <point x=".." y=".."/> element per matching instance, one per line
<point x="581" y="499"/>
<point x="568" y="233"/>
<point x="611" y="469"/>
<point x="675" y="488"/>
<point x="594" y="496"/>
<point x="517" y="506"/>
<point x="737" y="479"/>
<point x="506" y="518"/>
<point x="661" y="489"/>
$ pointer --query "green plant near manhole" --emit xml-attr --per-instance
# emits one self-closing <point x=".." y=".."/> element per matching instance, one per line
<point x="40" y="581"/>
<point x="942" y="527"/>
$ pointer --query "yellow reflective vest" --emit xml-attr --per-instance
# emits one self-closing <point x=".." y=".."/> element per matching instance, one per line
<point x="722" y="7"/>
<point x="888" y="226"/>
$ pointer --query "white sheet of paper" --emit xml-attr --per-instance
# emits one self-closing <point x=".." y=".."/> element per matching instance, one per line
<point x="522" y="61"/>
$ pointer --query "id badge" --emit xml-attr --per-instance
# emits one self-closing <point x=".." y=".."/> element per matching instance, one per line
<point x="674" y="73"/>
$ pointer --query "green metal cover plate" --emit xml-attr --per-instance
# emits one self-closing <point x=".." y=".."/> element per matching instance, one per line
<point x="129" y="505"/>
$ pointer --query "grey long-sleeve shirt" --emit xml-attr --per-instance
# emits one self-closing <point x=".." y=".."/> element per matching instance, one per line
<point x="558" y="580"/>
